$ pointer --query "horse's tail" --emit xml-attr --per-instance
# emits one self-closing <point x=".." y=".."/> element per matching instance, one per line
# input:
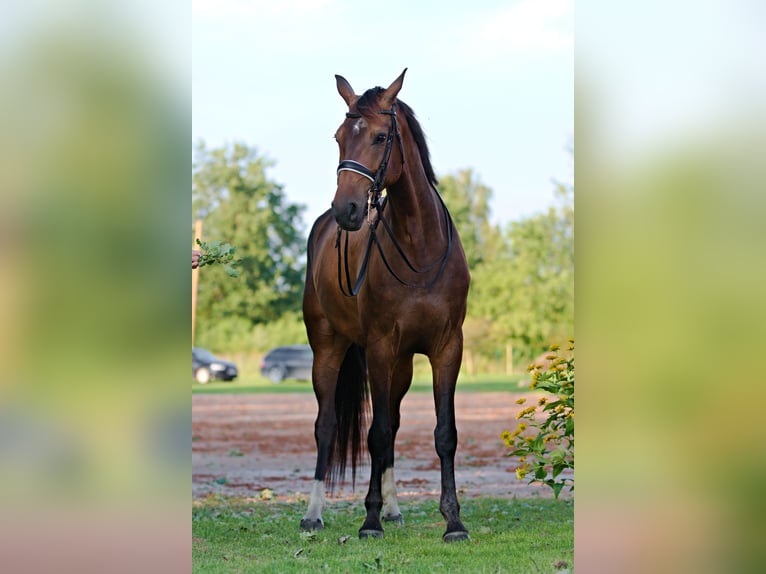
<point x="351" y="411"/>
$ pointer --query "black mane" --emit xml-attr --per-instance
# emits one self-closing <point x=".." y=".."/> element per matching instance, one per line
<point x="367" y="104"/>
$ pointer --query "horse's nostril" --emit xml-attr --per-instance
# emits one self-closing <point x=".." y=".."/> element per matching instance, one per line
<point x="352" y="208"/>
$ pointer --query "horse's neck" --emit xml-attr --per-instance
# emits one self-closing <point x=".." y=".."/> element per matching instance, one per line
<point x="417" y="218"/>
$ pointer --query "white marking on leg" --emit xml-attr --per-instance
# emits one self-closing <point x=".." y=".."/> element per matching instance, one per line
<point x="316" y="502"/>
<point x="388" y="490"/>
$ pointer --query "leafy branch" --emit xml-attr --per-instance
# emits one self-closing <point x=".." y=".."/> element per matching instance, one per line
<point x="218" y="253"/>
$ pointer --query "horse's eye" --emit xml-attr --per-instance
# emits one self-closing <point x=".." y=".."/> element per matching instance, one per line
<point x="380" y="138"/>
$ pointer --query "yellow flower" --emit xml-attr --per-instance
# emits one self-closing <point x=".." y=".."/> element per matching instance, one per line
<point x="550" y="356"/>
<point x="521" y="472"/>
<point x="571" y="340"/>
<point x="542" y="401"/>
<point x="522" y="427"/>
<point x="505" y="435"/>
<point x="531" y="367"/>
<point x="529" y="439"/>
<point x="554" y="347"/>
<point x="521" y="401"/>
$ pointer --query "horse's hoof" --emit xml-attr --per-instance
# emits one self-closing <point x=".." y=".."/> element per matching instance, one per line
<point x="397" y="518"/>
<point x="370" y="534"/>
<point x="312" y="524"/>
<point x="456" y="536"/>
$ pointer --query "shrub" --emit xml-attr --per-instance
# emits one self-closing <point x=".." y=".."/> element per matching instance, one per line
<point x="546" y="448"/>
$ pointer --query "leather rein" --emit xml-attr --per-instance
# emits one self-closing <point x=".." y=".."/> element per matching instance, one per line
<point x="377" y="197"/>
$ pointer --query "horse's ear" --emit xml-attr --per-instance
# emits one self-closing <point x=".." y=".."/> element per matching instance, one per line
<point x="345" y="90"/>
<point x="389" y="96"/>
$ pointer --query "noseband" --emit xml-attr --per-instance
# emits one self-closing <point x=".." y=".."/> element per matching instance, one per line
<point x="377" y="178"/>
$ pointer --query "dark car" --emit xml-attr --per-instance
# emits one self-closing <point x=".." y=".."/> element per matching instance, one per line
<point x="291" y="362"/>
<point x="207" y="367"/>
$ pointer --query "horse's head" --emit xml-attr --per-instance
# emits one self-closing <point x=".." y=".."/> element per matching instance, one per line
<point x="366" y="142"/>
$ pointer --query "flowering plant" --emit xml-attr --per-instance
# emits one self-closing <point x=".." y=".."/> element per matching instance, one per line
<point x="548" y="450"/>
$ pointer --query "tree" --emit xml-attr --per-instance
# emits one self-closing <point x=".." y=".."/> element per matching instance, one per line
<point x="240" y="205"/>
<point x="468" y="200"/>
<point x="527" y="289"/>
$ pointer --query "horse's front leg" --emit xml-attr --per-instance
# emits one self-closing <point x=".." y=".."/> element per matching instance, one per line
<point x="400" y="384"/>
<point x="325" y="377"/>
<point x="378" y="440"/>
<point x="446" y="366"/>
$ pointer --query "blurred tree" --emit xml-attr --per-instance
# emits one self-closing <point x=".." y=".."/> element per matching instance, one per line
<point x="468" y="201"/>
<point x="527" y="288"/>
<point x="239" y="204"/>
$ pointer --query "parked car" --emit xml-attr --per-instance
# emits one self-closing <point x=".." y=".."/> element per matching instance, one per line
<point x="290" y="362"/>
<point x="207" y="367"/>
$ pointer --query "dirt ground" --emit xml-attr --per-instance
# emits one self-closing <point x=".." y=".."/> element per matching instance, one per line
<point x="243" y="444"/>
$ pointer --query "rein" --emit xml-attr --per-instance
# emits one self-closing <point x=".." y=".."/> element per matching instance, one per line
<point x="379" y="200"/>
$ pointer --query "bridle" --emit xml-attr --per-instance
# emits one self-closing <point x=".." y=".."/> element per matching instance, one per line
<point x="377" y="178"/>
<point x="377" y="197"/>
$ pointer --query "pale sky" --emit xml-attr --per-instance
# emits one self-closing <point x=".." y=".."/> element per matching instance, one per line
<point x="491" y="82"/>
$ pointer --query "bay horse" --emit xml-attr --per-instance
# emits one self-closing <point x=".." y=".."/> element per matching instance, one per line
<point x="390" y="230"/>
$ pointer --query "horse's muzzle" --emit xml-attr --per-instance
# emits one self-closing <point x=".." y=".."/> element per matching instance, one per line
<point x="349" y="215"/>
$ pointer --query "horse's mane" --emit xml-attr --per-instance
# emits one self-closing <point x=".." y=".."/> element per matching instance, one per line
<point x="368" y="104"/>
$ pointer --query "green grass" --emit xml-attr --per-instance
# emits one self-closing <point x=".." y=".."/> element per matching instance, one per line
<point x="420" y="384"/>
<point x="523" y="535"/>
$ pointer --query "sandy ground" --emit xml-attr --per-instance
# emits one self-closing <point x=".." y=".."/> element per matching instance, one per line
<point x="243" y="444"/>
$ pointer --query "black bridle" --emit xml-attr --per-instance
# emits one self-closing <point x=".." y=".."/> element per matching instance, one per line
<point x="377" y="198"/>
<point x="377" y="178"/>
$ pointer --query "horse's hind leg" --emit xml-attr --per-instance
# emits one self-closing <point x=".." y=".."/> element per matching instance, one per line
<point x="445" y="368"/>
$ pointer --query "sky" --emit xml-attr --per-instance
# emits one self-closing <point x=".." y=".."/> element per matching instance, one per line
<point x="491" y="82"/>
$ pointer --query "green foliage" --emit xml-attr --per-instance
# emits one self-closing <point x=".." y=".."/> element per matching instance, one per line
<point x="548" y="449"/>
<point x="259" y="535"/>
<point x="238" y="334"/>
<point x="468" y="201"/>
<point x="217" y="252"/>
<point x="286" y="330"/>
<point x="239" y="204"/>
<point x="524" y="293"/>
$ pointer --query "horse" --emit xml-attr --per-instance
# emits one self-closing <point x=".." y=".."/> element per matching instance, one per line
<point x="391" y="231"/>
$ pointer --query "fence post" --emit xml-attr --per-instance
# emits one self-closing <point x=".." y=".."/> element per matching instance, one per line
<point x="195" y="274"/>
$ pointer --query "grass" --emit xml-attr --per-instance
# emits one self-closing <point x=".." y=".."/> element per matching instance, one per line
<point x="420" y="384"/>
<point x="520" y="535"/>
